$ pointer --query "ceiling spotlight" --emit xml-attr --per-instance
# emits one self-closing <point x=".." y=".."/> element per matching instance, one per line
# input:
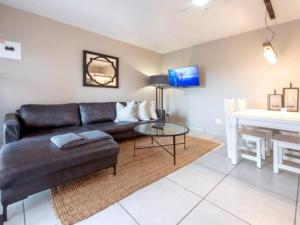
<point x="270" y="53"/>
<point x="200" y="3"/>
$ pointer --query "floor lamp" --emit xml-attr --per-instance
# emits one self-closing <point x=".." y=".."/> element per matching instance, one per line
<point x="159" y="81"/>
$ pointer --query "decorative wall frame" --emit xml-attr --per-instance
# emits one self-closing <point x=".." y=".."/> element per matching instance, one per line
<point x="291" y="98"/>
<point x="275" y="101"/>
<point x="100" y="70"/>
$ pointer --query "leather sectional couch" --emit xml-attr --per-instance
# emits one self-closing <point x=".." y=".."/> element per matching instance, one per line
<point x="29" y="163"/>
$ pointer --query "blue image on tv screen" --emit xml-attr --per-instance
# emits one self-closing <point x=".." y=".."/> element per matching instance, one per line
<point x="184" y="77"/>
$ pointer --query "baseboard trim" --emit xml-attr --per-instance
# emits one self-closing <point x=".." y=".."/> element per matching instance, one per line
<point x="209" y="132"/>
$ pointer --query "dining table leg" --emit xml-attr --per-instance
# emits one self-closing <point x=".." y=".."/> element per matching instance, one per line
<point x="235" y="156"/>
<point x="228" y="138"/>
<point x="275" y="158"/>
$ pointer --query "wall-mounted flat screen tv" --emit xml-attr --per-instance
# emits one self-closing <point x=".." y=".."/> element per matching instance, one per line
<point x="184" y="77"/>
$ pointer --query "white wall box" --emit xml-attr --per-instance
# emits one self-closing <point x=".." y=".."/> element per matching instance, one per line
<point x="10" y="50"/>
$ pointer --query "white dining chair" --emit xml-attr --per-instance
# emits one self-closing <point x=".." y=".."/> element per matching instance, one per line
<point x="250" y="140"/>
<point x="242" y="105"/>
<point x="254" y="140"/>
<point x="252" y="145"/>
<point x="290" y="152"/>
<point x="230" y="105"/>
<point x="268" y="138"/>
<point x="280" y="144"/>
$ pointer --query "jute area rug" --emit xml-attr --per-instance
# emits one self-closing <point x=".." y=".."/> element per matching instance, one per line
<point x="81" y="198"/>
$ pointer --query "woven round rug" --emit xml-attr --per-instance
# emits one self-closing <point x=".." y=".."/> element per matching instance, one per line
<point x="83" y="197"/>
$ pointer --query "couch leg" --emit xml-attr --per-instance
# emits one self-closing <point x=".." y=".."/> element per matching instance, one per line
<point x="115" y="170"/>
<point x="4" y="215"/>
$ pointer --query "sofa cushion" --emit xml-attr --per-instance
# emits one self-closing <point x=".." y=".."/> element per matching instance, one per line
<point x="114" y="127"/>
<point x="34" y="117"/>
<point x="47" y="134"/>
<point x="34" y="157"/>
<point x="97" y="112"/>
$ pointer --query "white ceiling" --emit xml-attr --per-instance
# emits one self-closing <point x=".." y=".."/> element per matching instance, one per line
<point x="155" y="24"/>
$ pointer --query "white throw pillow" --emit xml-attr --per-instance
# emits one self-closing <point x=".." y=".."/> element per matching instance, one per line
<point x="126" y="113"/>
<point x="152" y="110"/>
<point x="142" y="111"/>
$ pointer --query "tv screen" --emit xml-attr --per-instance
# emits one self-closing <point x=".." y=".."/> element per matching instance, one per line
<point x="184" y="77"/>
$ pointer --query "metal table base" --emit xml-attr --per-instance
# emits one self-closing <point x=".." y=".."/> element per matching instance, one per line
<point x="161" y="145"/>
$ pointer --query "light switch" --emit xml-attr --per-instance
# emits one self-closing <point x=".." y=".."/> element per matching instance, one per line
<point x="10" y="50"/>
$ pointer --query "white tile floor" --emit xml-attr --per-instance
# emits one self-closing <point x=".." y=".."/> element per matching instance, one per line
<point x="209" y="191"/>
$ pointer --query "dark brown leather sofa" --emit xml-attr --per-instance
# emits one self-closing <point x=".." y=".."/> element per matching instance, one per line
<point x="29" y="163"/>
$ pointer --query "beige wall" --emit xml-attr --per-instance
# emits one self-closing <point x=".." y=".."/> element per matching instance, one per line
<point x="51" y="67"/>
<point x="233" y="67"/>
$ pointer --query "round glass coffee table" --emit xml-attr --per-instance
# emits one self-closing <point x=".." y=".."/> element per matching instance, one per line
<point x="167" y="129"/>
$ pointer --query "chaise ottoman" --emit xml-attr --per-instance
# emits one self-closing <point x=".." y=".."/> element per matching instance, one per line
<point x="33" y="164"/>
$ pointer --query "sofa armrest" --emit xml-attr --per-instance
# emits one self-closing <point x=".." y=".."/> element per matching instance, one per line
<point x="12" y="128"/>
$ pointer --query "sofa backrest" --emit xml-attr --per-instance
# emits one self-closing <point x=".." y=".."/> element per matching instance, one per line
<point x="97" y="112"/>
<point x="37" y="117"/>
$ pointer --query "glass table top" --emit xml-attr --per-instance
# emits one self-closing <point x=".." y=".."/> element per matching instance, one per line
<point x="161" y="129"/>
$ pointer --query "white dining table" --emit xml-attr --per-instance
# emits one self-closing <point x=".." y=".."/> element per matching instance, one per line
<point x="287" y="121"/>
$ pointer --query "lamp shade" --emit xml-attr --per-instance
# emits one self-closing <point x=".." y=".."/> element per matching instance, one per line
<point x="159" y="80"/>
<point x="270" y="53"/>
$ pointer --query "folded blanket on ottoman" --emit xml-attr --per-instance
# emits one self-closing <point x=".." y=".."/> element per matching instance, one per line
<point x="65" y="140"/>
<point x="71" y="139"/>
<point x="94" y="135"/>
